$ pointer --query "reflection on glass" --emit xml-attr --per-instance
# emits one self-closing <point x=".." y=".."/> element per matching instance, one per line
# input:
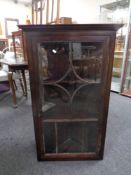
<point x="71" y="99"/>
<point x="55" y="60"/>
<point x="60" y="60"/>
<point x="127" y="76"/>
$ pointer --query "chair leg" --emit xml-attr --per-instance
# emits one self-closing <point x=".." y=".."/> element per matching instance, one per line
<point x="24" y="80"/>
<point x="22" y="85"/>
<point x="15" y="84"/>
<point x="12" y="89"/>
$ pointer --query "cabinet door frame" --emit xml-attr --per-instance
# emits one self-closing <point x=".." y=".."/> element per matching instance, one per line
<point x="107" y="38"/>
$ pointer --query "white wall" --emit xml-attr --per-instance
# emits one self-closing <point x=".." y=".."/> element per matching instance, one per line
<point x="83" y="11"/>
<point x="106" y="1"/>
<point x="9" y="9"/>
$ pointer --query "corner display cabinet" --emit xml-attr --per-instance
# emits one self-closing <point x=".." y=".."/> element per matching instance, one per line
<point x="70" y="70"/>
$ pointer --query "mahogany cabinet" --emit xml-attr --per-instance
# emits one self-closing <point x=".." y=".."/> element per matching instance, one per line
<point x="70" y="70"/>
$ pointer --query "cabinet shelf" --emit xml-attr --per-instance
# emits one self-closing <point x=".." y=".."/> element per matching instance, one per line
<point x="19" y="47"/>
<point x="51" y="112"/>
<point x="118" y="57"/>
<point x="70" y="118"/>
<point x="119" y="51"/>
<point x="85" y="80"/>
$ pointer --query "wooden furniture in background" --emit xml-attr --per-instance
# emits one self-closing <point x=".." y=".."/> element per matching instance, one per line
<point x="45" y="11"/>
<point x="19" y="45"/>
<point x="117" y="65"/>
<point x="118" y="55"/>
<point x="65" y="20"/>
<point x="70" y="101"/>
<point x="126" y="77"/>
<point x="13" y="67"/>
<point x="3" y="43"/>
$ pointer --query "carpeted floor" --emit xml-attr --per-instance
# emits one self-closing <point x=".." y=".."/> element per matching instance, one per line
<point x="17" y="144"/>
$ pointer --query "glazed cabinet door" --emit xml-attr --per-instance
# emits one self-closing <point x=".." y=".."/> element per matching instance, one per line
<point x="72" y="96"/>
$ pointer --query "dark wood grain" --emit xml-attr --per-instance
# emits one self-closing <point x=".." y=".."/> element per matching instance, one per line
<point x="64" y="27"/>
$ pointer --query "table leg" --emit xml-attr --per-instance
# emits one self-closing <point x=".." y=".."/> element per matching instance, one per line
<point x="12" y="88"/>
<point x="24" y="79"/>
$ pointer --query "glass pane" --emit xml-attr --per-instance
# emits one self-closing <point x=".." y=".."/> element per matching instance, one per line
<point x="116" y="12"/>
<point x="71" y="77"/>
<point x="18" y="47"/>
<point x="74" y="101"/>
<point x="54" y="58"/>
<point x="71" y="94"/>
<point x="70" y="137"/>
<point x="118" y="59"/>
<point x="86" y="61"/>
<point x="127" y="76"/>
<point x="127" y="86"/>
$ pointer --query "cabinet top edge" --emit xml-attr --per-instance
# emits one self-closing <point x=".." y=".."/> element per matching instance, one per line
<point x="76" y="27"/>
